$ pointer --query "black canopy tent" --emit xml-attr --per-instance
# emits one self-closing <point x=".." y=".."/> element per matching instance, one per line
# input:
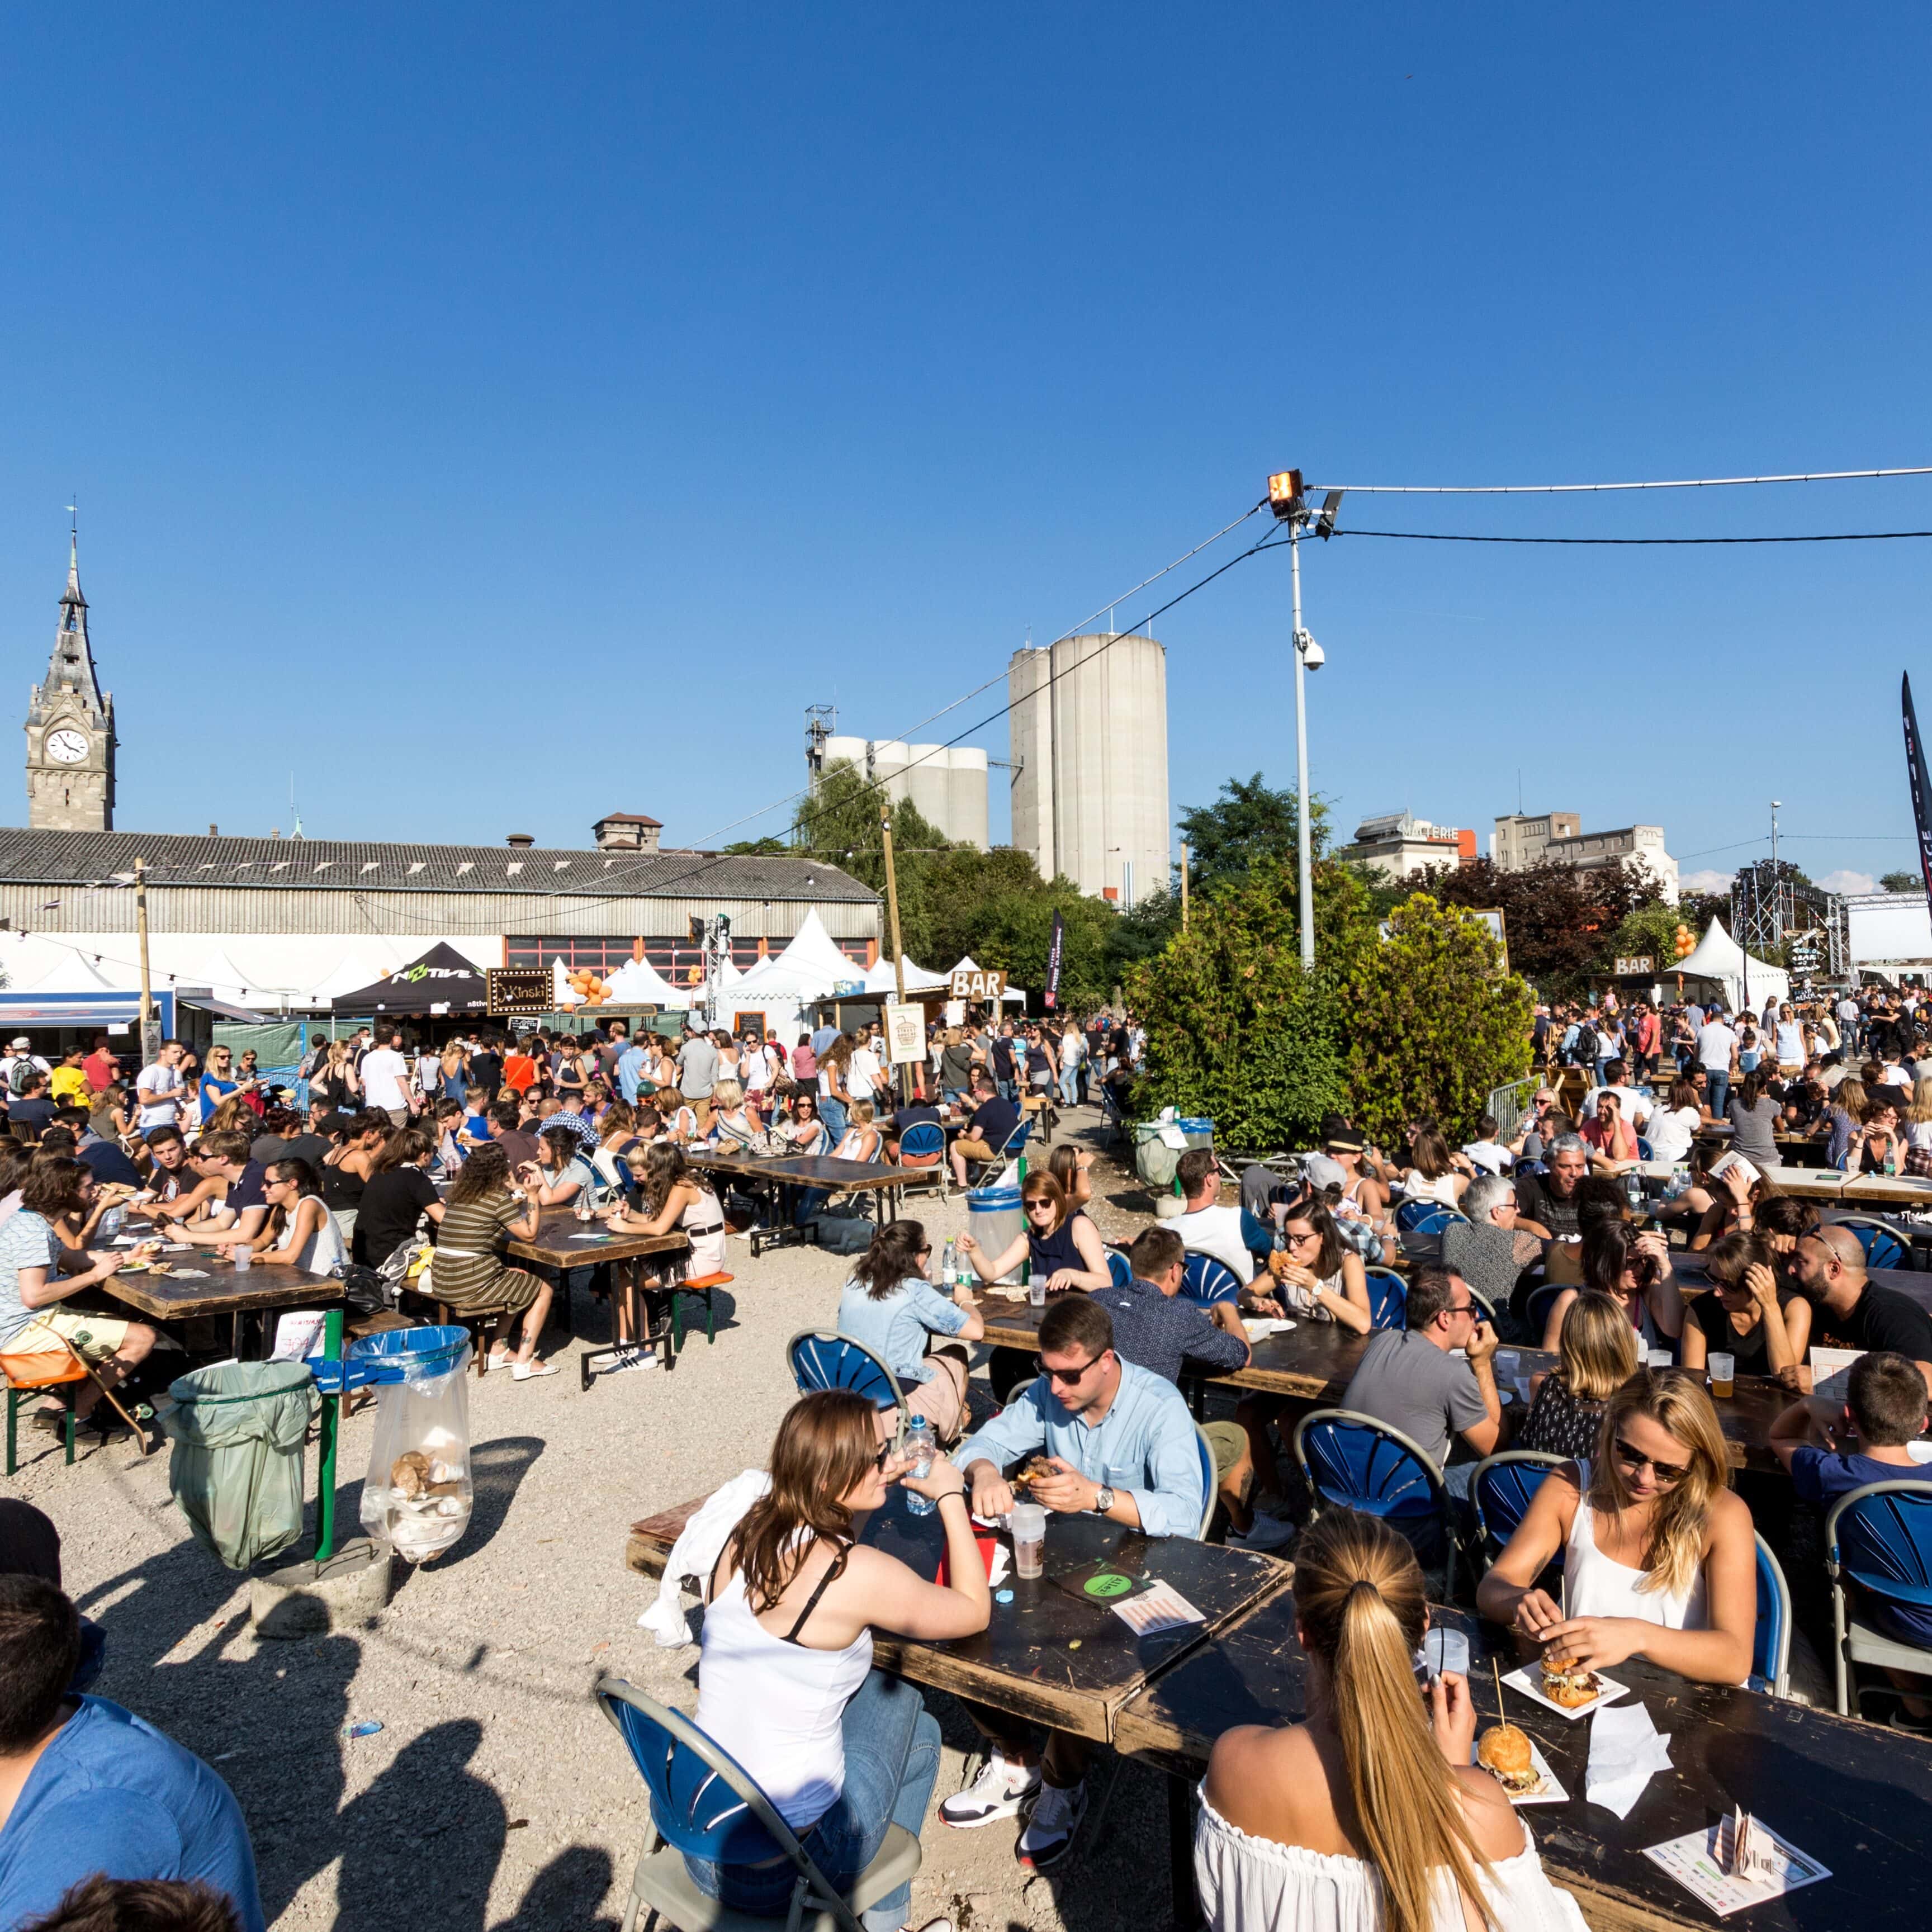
<point x="441" y="982"/>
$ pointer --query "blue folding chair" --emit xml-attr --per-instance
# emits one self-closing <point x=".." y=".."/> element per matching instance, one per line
<point x="1204" y="1281"/>
<point x="1121" y="1268"/>
<point x="921" y="1141"/>
<point x="822" y="1358"/>
<point x="1500" y="1491"/>
<point x="1388" y="1299"/>
<point x="1537" y="1307"/>
<point x="1425" y="1217"/>
<point x="1771" y="1640"/>
<point x="1883" y="1248"/>
<point x="705" y="1803"/>
<point x="1351" y="1461"/>
<point x="1643" y="1149"/>
<point x="1879" y="1538"/>
<point x="1210" y="1495"/>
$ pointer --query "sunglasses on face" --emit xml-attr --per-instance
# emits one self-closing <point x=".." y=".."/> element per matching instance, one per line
<point x="1667" y="1474"/>
<point x="1068" y="1376"/>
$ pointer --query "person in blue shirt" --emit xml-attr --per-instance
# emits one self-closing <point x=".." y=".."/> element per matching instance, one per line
<point x="991" y="1126"/>
<point x="1863" y="1441"/>
<point x="914" y="1329"/>
<point x="630" y="1065"/>
<point x="1122" y="1445"/>
<point x="86" y="1786"/>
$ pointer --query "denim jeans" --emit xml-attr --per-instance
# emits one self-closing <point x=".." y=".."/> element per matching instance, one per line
<point x="892" y="1763"/>
<point x="1008" y="1090"/>
<point x="832" y="1113"/>
<point x="1718" y="1086"/>
<point x="1069" y="1086"/>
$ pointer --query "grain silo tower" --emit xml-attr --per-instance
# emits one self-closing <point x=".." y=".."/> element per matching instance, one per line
<point x="1089" y="734"/>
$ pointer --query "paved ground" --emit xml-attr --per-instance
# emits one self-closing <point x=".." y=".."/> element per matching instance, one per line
<point x="496" y="1796"/>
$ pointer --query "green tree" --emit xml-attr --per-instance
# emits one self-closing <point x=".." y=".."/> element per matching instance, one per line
<point x="1235" y="1030"/>
<point x="1432" y="1022"/>
<point x="1901" y="882"/>
<point x="1142" y="931"/>
<point x="1652" y="929"/>
<point x="1250" y="824"/>
<point x="767" y="847"/>
<point x="839" y="823"/>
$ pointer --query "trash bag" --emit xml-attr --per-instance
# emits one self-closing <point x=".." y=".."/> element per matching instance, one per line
<point x="417" y="1495"/>
<point x="842" y="1234"/>
<point x="235" y="1467"/>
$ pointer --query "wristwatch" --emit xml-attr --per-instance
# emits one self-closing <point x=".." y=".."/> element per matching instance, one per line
<point x="1104" y="1501"/>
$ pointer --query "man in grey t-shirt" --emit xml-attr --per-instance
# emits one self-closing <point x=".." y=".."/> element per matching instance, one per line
<point x="1408" y="1378"/>
<point x="697" y="1074"/>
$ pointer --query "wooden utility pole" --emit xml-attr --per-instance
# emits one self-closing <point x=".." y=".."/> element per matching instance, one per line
<point x="1184" y="885"/>
<point x="903" y="1082"/>
<point x="150" y="1047"/>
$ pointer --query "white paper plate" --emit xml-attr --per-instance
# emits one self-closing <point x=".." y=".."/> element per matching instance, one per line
<point x="1530" y="1685"/>
<point x="1550" y="1791"/>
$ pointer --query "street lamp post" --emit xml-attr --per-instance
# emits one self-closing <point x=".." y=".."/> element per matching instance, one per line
<point x="1291" y="507"/>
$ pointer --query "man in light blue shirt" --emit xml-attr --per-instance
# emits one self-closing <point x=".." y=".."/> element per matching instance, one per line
<point x="1123" y="1446"/>
<point x="630" y="1071"/>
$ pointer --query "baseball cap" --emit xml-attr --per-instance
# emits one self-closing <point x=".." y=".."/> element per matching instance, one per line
<point x="1321" y="1171"/>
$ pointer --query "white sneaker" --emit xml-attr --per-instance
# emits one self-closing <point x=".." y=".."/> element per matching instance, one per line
<point x="633" y="1358"/>
<point x="995" y="1793"/>
<point x="524" y="1372"/>
<point x="1049" y="1836"/>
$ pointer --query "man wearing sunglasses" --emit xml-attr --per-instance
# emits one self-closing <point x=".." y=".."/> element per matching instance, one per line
<point x="1122" y="1445"/>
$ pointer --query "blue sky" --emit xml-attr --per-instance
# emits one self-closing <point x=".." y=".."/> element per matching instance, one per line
<point x="505" y="416"/>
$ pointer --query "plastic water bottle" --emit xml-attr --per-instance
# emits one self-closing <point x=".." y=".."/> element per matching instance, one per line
<point x="947" y="1266"/>
<point x="922" y="1445"/>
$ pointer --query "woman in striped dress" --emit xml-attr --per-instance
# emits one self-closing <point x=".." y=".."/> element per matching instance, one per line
<point x="471" y="1276"/>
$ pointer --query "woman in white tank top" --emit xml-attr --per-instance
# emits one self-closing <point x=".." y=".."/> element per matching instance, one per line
<point x="1659" y="1558"/>
<point x="785" y="1683"/>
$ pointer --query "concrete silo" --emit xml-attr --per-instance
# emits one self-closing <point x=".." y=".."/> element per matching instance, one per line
<point x="1089" y="735"/>
<point x="947" y="785"/>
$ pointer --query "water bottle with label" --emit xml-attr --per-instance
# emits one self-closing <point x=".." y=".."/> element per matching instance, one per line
<point x="923" y="1446"/>
<point x="947" y="1275"/>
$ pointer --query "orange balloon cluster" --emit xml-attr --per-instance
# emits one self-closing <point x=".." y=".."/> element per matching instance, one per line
<point x="589" y="987"/>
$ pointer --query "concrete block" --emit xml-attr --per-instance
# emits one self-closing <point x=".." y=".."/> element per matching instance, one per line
<point x="308" y="1599"/>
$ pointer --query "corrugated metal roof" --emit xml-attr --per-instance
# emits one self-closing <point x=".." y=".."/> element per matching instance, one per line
<point x="33" y="856"/>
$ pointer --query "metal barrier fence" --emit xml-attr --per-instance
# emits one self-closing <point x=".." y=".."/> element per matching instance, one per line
<point x="1509" y="1104"/>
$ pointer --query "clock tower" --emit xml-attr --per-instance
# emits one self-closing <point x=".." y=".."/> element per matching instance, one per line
<point x="70" y="727"/>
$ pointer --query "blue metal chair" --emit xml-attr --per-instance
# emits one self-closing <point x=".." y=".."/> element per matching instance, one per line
<point x="1204" y="1281"/>
<point x="1388" y="1299"/>
<point x="705" y="1803"/>
<point x="921" y="1142"/>
<point x="822" y="1358"/>
<point x="1351" y="1461"/>
<point x="1771" y="1642"/>
<point x="1878" y="1537"/>
<point x="1643" y="1149"/>
<point x="1209" y="1494"/>
<point x="1537" y="1307"/>
<point x="1883" y="1247"/>
<point x="1500" y="1491"/>
<point x="1120" y="1267"/>
<point x="1425" y="1217"/>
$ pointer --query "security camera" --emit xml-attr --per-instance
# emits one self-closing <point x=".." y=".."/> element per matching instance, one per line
<point x="1313" y="655"/>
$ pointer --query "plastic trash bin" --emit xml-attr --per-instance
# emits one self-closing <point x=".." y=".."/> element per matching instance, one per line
<point x="235" y="1466"/>
<point x="417" y="1495"/>
<point x="1154" y="1160"/>
<point x="994" y="1220"/>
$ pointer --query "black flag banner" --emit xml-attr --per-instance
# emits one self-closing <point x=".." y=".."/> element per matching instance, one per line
<point x="1922" y="791"/>
<point x="1057" y="947"/>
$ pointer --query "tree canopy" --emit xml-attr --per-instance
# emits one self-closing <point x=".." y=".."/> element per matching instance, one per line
<point x="1249" y="824"/>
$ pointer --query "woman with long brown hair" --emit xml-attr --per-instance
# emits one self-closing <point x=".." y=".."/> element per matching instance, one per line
<point x="1368" y="1817"/>
<point x="469" y="1273"/>
<point x="1059" y="1241"/>
<point x="1633" y="1270"/>
<point x="917" y="1330"/>
<point x="1659" y="1559"/>
<point x="785" y="1683"/>
<point x="1762" y="1325"/>
<point x="1325" y="1280"/>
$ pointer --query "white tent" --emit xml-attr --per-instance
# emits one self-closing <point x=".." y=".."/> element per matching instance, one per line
<point x="638" y="983"/>
<point x="879" y="978"/>
<point x="1745" y="981"/>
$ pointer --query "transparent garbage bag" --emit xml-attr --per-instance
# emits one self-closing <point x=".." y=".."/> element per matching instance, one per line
<point x="235" y="1464"/>
<point x="418" y="1494"/>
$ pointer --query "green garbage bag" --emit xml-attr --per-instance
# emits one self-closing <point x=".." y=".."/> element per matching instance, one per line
<point x="236" y="1467"/>
<point x="1154" y="1161"/>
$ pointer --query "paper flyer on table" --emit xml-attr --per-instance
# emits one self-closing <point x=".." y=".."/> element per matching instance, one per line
<point x="1831" y="1372"/>
<point x="1697" y="1862"/>
<point x="1163" y="1607"/>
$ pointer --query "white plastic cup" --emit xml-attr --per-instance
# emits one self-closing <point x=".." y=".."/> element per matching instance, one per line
<point x="245" y="1256"/>
<point x="1445" y="1650"/>
<point x="1029" y="1539"/>
<point x="1660" y="1358"/>
<point x="1036" y="1291"/>
<point x="1723" y="1376"/>
<point x="1507" y="1363"/>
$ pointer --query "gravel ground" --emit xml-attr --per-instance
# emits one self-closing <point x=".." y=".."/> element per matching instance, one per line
<point x="495" y="1794"/>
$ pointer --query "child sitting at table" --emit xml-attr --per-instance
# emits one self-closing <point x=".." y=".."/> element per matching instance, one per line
<point x="1885" y="1411"/>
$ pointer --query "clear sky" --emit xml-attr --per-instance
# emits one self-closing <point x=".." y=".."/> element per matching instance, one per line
<point x="502" y="417"/>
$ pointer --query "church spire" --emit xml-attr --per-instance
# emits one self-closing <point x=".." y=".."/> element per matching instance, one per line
<point x="69" y="725"/>
<point x="71" y="667"/>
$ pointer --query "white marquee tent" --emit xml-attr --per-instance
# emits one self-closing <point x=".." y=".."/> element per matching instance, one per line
<point x="1745" y="981"/>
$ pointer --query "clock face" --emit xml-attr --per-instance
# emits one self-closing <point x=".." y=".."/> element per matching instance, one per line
<point x="66" y="747"/>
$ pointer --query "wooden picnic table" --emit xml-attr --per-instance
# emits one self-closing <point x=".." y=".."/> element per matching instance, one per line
<point x="563" y="1241"/>
<point x="1047" y="1656"/>
<point x="226" y="1291"/>
<point x="884" y="1177"/>
<point x="1315" y="1361"/>
<point x="1858" y="1796"/>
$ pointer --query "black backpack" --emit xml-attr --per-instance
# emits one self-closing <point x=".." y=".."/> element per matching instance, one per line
<point x="1585" y="1051"/>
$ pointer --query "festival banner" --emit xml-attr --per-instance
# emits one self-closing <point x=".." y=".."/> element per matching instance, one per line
<point x="1922" y="791"/>
<point x="1053" y="956"/>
